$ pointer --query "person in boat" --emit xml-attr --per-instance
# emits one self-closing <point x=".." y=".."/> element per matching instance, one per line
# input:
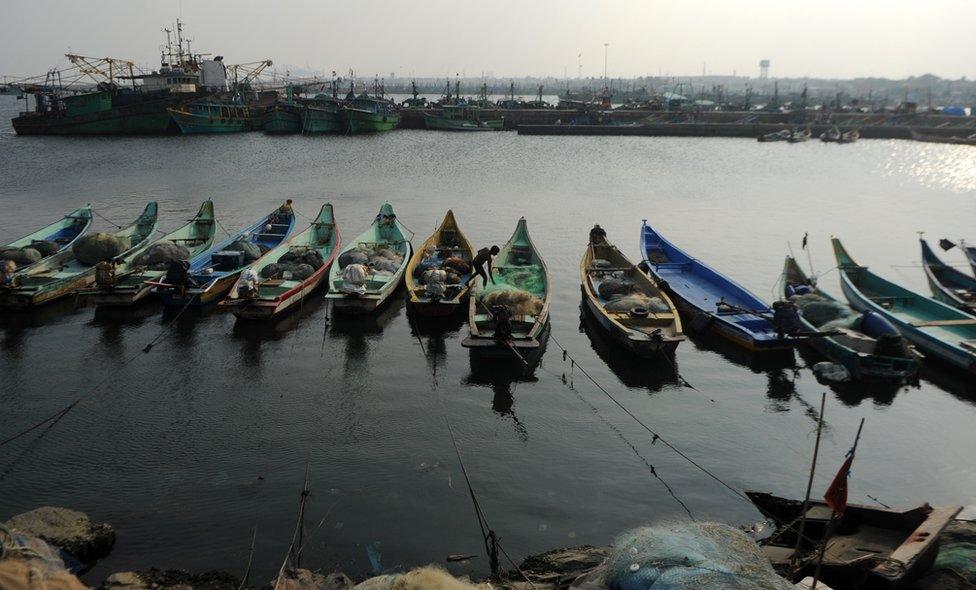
<point x="598" y="235"/>
<point x="283" y="212"/>
<point x="8" y="270"/>
<point x="105" y="274"/>
<point x="482" y="258"/>
<point x="178" y="276"/>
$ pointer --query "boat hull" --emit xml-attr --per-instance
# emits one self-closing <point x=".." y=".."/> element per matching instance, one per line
<point x="322" y="121"/>
<point x="266" y="310"/>
<point x="213" y="293"/>
<point x="366" y="122"/>
<point x="527" y="349"/>
<point x="282" y="121"/>
<point x="119" y="296"/>
<point x="444" y="124"/>
<point x="150" y="118"/>
<point x="439" y="309"/>
<point x="361" y="304"/>
<point x="24" y="299"/>
<point x="190" y="123"/>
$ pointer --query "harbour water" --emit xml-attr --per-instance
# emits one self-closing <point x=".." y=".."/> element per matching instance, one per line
<point x="189" y="447"/>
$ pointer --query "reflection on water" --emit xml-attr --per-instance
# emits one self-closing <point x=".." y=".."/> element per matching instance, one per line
<point x="852" y="394"/>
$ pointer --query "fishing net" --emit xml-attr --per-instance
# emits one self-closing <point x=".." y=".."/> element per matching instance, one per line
<point x="383" y="263"/>
<point x="518" y="301"/>
<point x="45" y="247"/>
<point x="159" y="255"/>
<point x="356" y="256"/>
<point x="626" y="303"/>
<point x="457" y="264"/>
<point x="819" y="310"/>
<point x="302" y="256"/>
<point x="21" y="256"/>
<point x="251" y="250"/>
<point x="526" y="278"/>
<point x="705" y="555"/>
<point x="288" y="271"/>
<point x="95" y="248"/>
<point x="613" y="287"/>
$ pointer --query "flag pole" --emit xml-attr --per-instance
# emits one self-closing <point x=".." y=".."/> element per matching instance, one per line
<point x="813" y="469"/>
<point x="829" y="529"/>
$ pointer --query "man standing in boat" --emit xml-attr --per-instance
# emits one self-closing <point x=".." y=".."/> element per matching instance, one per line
<point x="478" y="263"/>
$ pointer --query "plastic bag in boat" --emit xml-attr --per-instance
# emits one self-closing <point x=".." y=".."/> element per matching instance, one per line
<point x="159" y="255"/>
<point x="435" y="279"/>
<point x="246" y="285"/>
<point x="692" y="556"/>
<point x="354" y="280"/>
<point x="423" y="266"/>
<point x="94" y="248"/>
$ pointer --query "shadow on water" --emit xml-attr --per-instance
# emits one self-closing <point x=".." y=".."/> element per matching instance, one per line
<point x="17" y="323"/>
<point x="852" y="394"/>
<point x="114" y="321"/>
<point x="951" y="379"/>
<point x="254" y="333"/>
<point x="632" y="370"/>
<point x="431" y="332"/>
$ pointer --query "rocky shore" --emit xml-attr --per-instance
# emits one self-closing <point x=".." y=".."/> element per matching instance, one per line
<point x="49" y="547"/>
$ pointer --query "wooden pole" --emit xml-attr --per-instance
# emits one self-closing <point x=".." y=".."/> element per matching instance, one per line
<point x="813" y="469"/>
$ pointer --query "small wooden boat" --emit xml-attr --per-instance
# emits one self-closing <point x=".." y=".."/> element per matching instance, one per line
<point x="831" y="135"/>
<point x="849" y="136"/>
<point x="648" y="329"/>
<point x="63" y="274"/>
<point x="781" y="135"/>
<point x="132" y="283"/>
<point x="62" y="232"/>
<point x="948" y="284"/>
<point x="711" y="300"/>
<point x="386" y="233"/>
<point x="214" y="271"/>
<point x="953" y="139"/>
<point x="439" y="299"/>
<point x="937" y="329"/>
<point x="497" y="329"/>
<point x="275" y="295"/>
<point x="211" y="117"/>
<point x="799" y="135"/>
<point x="869" y="548"/>
<point x="461" y="117"/>
<point x="868" y="346"/>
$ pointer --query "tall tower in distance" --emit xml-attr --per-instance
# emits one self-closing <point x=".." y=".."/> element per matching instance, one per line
<point x="763" y="69"/>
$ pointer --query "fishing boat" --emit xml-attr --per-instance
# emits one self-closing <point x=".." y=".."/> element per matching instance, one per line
<point x="323" y="114"/>
<point x="849" y="136"/>
<point x="133" y="281"/>
<point x="213" y="271"/>
<point x="63" y="274"/>
<point x="870" y="547"/>
<point x="62" y="233"/>
<point x="799" y="135"/>
<point x="938" y="330"/>
<point x="513" y="325"/>
<point x="867" y="345"/>
<point x="781" y="135"/>
<point x="365" y="114"/>
<point x="711" y="300"/>
<point x="385" y="234"/>
<point x="953" y="139"/>
<point x="831" y="135"/>
<point x="430" y="298"/>
<point x="641" y="316"/>
<point x="948" y="284"/>
<point x="277" y="291"/>
<point x="461" y="117"/>
<point x="212" y="117"/>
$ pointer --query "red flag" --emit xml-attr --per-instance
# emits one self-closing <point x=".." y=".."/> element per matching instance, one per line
<point x="836" y="495"/>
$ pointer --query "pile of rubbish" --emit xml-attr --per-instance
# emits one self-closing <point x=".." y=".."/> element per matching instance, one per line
<point x="95" y="248"/>
<point x="38" y="250"/>
<point x="622" y="296"/>
<point x="297" y="264"/>
<point x="379" y="258"/>
<point x="159" y="255"/>
<point x="700" y="556"/>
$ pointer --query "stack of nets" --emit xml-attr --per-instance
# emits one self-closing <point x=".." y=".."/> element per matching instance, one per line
<point x="527" y="278"/>
<point x="693" y="556"/>
<point x="622" y="296"/>
<point x="455" y="267"/>
<point x="251" y="250"/>
<point x="819" y="310"/>
<point x="380" y="259"/>
<point x="518" y="301"/>
<point x="159" y="255"/>
<point x="297" y="264"/>
<point x="95" y="248"/>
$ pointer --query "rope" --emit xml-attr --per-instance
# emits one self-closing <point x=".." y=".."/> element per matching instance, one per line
<point x="165" y="331"/>
<point x="221" y="226"/>
<point x="117" y="226"/>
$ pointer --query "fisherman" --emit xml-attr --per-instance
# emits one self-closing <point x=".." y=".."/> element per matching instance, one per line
<point x="178" y="276"/>
<point x="478" y="263"/>
<point x="105" y="274"/>
<point x="598" y="235"/>
<point x="285" y="211"/>
<point x="8" y="271"/>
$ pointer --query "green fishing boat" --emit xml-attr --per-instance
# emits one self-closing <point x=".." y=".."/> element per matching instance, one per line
<point x="63" y="274"/>
<point x="108" y="112"/>
<point x="461" y="118"/>
<point x="323" y="114"/>
<point x="278" y="284"/>
<point x="132" y="277"/>
<point x="365" y="114"/>
<point x="212" y="117"/>
<point x="62" y="234"/>
<point x="284" y="115"/>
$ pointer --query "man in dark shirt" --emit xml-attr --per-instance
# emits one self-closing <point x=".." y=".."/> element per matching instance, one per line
<point x="478" y="265"/>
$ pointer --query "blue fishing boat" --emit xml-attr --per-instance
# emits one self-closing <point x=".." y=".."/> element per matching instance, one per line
<point x="53" y="238"/>
<point x="709" y="299"/>
<point x="948" y="284"/>
<point x="209" y="275"/>
<point x="866" y="344"/>
<point x="937" y="329"/>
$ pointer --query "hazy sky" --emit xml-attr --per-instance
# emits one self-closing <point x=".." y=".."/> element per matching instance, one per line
<point x="816" y="38"/>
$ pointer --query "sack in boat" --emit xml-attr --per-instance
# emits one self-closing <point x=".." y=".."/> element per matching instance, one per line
<point x="251" y="250"/>
<point x="356" y="256"/>
<point x="612" y="287"/>
<point x="457" y="264"/>
<point x="821" y="312"/>
<point x="45" y="247"/>
<point x="159" y="255"/>
<point x="383" y="263"/>
<point x="21" y="256"/>
<point x="517" y="301"/>
<point x="94" y="248"/>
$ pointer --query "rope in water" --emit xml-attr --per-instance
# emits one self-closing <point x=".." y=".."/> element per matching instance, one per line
<point x="117" y="226"/>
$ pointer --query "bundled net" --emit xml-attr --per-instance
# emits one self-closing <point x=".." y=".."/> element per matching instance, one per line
<point x="527" y="278"/>
<point x="297" y="264"/>
<point x="518" y="301"/>
<point x="819" y="310"/>
<point x="159" y="255"/>
<point x="94" y="248"/>
<point x="379" y="258"/>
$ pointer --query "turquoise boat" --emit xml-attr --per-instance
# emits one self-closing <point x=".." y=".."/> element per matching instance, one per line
<point x="385" y="233"/>
<point x="214" y="271"/>
<point x="63" y="274"/>
<point x="365" y="114"/>
<point x="132" y="282"/>
<point x="867" y="345"/>
<point x="461" y="117"/>
<point x="62" y="232"/>
<point x="938" y="330"/>
<point x="511" y="326"/>
<point x="323" y="114"/>
<point x="948" y="284"/>
<point x="212" y="117"/>
<point x="284" y="115"/>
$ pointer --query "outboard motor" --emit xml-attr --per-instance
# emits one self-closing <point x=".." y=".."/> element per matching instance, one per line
<point x="178" y="273"/>
<point x="503" y="323"/>
<point x="786" y="318"/>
